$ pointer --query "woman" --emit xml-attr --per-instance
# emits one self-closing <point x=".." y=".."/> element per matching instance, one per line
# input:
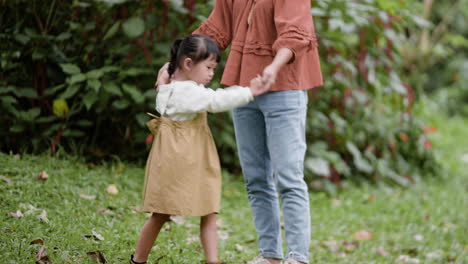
<point x="274" y="38"/>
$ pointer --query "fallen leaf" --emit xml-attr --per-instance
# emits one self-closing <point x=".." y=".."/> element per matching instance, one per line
<point x="177" y="219"/>
<point x="350" y="246"/>
<point x="381" y="251"/>
<point x="42" y="257"/>
<point x="87" y="197"/>
<point x="464" y="158"/>
<point x="192" y="239"/>
<point x="37" y="241"/>
<point x="167" y="228"/>
<point x="105" y="211"/>
<point x="332" y="245"/>
<point x="97" y="256"/>
<point x="336" y="202"/>
<point x="418" y="237"/>
<point x="223" y="235"/>
<point x="219" y="222"/>
<point x="239" y="248"/>
<point x="7" y="180"/>
<point x="95" y="235"/>
<point x="16" y="214"/>
<point x="362" y="235"/>
<point x="407" y="259"/>
<point x="112" y="189"/>
<point x="43" y="216"/>
<point x="42" y="176"/>
<point x="434" y="255"/>
<point x="410" y="251"/>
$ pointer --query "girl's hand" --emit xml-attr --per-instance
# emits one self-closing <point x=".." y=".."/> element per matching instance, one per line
<point x="163" y="76"/>
<point x="257" y="87"/>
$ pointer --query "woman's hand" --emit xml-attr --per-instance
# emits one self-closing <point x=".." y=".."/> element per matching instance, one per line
<point x="163" y="76"/>
<point x="269" y="75"/>
<point x="257" y="87"/>
<point x="282" y="57"/>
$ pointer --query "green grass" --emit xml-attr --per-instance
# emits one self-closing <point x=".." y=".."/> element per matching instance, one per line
<point x="427" y="222"/>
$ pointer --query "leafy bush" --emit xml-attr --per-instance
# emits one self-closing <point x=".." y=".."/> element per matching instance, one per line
<point x="79" y="75"/>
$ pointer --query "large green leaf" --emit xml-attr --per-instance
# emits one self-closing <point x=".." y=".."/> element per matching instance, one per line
<point x="70" y="68"/>
<point x="89" y="99"/>
<point x="77" y="78"/>
<point x="94" y="84"/>
<point x="134" y="27"/>
<point x="112" y="31"/>
<point x="70" y="91"/>
<point x="112" y="88"/>
<point x="136" y="95"/>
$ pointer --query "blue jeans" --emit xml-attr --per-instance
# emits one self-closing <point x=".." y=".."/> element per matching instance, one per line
<point x="270" y="134"/>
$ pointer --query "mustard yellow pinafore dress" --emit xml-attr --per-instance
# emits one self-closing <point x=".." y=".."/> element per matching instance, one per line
<point x="183" y="174"/>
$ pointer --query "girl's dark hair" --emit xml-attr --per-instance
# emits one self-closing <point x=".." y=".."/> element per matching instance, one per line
<point x="195" y="47"/>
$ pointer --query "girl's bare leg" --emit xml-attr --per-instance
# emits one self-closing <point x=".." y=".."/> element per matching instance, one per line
<point x="209" y="237"/>
<point x="148" y="235"/>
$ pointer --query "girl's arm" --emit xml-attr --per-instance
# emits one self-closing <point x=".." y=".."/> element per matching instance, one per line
<point x="191" y="98"/>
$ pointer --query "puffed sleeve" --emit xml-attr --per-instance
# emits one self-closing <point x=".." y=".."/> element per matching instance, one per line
<point x="294" y="26"/>
<point x="191" y="98"/>
<point x="218" y="26"/>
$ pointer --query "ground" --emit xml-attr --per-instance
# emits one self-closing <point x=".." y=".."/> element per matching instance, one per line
<point x="82" y="208"/>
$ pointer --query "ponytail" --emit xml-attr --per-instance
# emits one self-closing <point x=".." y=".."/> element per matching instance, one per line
<point x="195" y="47"/>
<point x="174" y="52"/>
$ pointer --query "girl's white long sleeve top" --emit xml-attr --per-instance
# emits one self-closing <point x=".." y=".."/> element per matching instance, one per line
<point x="182" y="100"/>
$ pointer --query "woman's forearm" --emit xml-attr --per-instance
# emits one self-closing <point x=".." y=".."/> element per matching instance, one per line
<point x="283" y="56"/>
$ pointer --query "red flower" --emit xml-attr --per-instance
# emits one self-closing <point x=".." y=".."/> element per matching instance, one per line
<point x="404" y="137"/>
<point x="429" y="129"/>
<point x="427" y="144"/>
<point x="149" y="139"/>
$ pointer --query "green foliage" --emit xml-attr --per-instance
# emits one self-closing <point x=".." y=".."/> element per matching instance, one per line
<point x="78" y="75"/>
<point x="436" y="58"/>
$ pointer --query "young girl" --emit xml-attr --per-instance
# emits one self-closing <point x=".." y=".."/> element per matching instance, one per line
<point x="183" y="175"/>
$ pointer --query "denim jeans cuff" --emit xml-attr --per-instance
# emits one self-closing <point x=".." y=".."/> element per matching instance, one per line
<point x="297" y="256"/>
<point x="273" y="255"/>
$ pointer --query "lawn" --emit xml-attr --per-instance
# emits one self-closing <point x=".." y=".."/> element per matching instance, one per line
<point x="82" y="208"/>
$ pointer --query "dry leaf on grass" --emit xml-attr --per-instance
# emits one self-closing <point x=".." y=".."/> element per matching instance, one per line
<point x="97" y="256"/>
<point x="43" y="216"/>
<point x="112" y="189"/>
<point x="16" y="214"/>
<point x="239" y="248"/>
<point x="223" y="235"/>
<point x="192" y="239"/>
<point x="350" y="246"/>
<point x="7" y="180"/>
<point x="332" y="245"/>
<point x="381" y="251"/>
<point x="407" y="259"/>
<point x="87" y="197"/>
<point x="42" y="257"/>
<point x="418" y="237"/>
<point x="42" y="176"/>
<point x="362" y="235"/>
<point x="95" y="235"/>
<point x="177" y="219"/>
<point x="37" y="241"/>
<point x="105" y="211"/>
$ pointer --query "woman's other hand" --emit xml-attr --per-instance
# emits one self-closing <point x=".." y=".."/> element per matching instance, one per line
<point x="163" y="76"/>
<point x="257" y="86"/>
